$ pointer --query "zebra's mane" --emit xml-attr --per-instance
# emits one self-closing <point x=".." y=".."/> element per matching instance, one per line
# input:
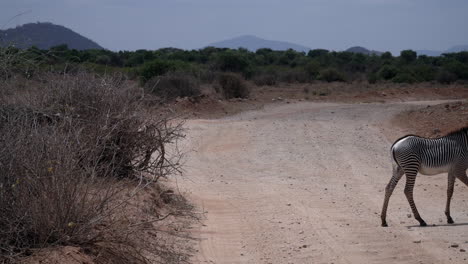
<point x="461" y="130"/>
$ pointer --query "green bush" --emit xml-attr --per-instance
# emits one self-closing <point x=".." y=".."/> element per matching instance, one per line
<point x="372" y="78"/>
<point x="424" y="72"/>
<point x="387" y="72"/>
<point x="408" y="56"/>
<point x="233" y="86"/>
<point x="404" y="77"/>
<point x="154" y="68"/>
<point x="331" y="75"/>
<point x="173" y="85"/>
<point x="445" y="77"/>
<point x="458" y="69"/>
<point x="313" y="69"/>
<point x="232" y="61"/>
<point x="160" y="67"/>
<point x="386" y="55"/>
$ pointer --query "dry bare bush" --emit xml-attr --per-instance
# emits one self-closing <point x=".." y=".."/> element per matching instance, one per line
<point x="233" y="86"/>
<point x="70" y="146"/>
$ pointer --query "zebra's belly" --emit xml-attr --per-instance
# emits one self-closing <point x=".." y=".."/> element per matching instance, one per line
<point x="433" y="170"/>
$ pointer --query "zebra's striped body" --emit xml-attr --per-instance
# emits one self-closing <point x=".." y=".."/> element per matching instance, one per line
<point x="413" y="154"/>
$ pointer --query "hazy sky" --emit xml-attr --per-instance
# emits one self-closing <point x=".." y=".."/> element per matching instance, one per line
<point x="191" y="24"/>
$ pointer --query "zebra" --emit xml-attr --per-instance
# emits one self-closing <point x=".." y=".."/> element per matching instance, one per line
<point x="413" y="154"/>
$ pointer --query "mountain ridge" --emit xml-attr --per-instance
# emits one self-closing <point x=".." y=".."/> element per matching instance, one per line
<point x="436" y="53"/>
<point x="45" y="35"/>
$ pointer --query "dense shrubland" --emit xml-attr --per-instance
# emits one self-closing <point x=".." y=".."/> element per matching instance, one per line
<point x="263" y="67"/>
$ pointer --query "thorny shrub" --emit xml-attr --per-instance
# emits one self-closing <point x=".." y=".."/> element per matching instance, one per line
<point x="70" y="146"/>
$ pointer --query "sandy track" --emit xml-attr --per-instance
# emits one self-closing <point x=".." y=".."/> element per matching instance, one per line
<point x="303" y="183"/>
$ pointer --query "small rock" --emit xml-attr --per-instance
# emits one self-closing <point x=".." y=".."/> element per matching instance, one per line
<point x="462" y="250"/>
<point x="454" y="245"/>
<point x="408" y="215"/>
<point x="417" y="241"/>
<point x="288" y="204"/>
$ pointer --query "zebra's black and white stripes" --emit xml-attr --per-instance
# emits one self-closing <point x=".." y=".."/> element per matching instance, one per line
<point x="413" y="154"/>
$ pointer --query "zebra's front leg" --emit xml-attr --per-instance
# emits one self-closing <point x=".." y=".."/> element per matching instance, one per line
<point x="451" y="183"/>
<point x="410" y="179"/>
<point x="397" y="173"/>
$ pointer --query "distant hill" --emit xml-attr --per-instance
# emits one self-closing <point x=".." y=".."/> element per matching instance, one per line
<point x="254" y="43"/>
<point x="363" y="50"/>
<point x="435" y="53"/>
<point x="45" y="36"/>
<point x="432" y="53"/>
<point x="458" y="48"/>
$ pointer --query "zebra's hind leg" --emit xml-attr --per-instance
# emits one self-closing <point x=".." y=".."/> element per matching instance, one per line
<point x="459" y="173"/>
<point x="410" y="179"/>
<point x="451" y="183"/>
<point x="462" y="176"/>
<point x="397" y="173"/>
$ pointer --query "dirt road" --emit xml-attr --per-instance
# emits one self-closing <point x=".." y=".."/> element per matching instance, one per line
<point x="304" y="183"/>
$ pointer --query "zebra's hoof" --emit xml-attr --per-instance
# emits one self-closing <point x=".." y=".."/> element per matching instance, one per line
<point x="422" y="223"/>
<point x="384" y="224"/>
<point x="450" y="221"/>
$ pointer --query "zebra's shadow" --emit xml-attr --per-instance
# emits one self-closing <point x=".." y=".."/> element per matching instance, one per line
<point x="435" y="225"/>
